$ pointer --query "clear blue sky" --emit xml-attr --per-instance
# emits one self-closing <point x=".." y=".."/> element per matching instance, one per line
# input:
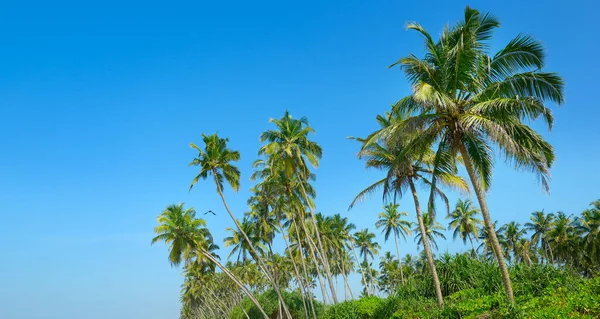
<point x="99" y="100"/>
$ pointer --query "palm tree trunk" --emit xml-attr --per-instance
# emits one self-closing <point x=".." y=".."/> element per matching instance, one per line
<point x="361" y="269"/>
<point x="551" y="255"/>
<point x="346" y="284"/>
<point x="399" y="259"/>
<point x="488" y="223"/>
<point x="244" y="311"/>
<point x="322" y="285"/>
<point x="343" y="272"/>
<point x="320" y="247"/>
<point x="219" y="304"/>
<point x="251" y="245"/>
<point x="472" y="246"/>
<point x="235" y="280"/>
<point x="301" y="285"/>
<point x="311" y="249"/>
<point x="430" y="261"/>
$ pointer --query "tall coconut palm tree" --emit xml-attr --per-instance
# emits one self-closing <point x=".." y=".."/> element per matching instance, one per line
<point x="403" y="170"/>
<point x="187" y="238"/>
<point x="512" y="235"/>
<point x="470" y="103"/>
<point x="540" y="226"/>
<point x="367" y="249"/>
<point x="240" y="246"/>
<point x="588" y="226"/>
<point x="389" y="267"/>
<point x="562" y="238"/>
<point x="341" y="231"/>
<point x="181" y="230"/>
<point x="289" y="147"/>
<point x="464" y="222"/>
<point x="433" y="229"/>
<point x="391" y="221"/>
<point x="216" y="160"/>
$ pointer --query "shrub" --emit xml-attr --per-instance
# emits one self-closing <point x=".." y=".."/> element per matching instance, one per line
<point x="344" y="310"/>
<point x="367" y="306"/>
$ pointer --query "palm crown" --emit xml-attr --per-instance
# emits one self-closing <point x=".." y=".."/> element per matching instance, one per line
<point x="390" y="220"/>
<point x="182" y="231"/>
<point x="215" y="159"/>
<point x="469" y="100"/>
<point x="463" y="220"/>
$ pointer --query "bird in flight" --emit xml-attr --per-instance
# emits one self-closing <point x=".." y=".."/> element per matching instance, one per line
<point x="210" y="211"/>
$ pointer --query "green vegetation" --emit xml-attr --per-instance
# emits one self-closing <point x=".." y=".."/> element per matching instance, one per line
<point x="465" y="103"/>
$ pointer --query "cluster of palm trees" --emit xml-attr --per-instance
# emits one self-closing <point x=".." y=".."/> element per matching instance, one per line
<point x="559" y="240"/>
<point x="465" y="103"/>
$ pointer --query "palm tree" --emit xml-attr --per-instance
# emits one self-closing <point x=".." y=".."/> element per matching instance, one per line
<point x="464" y="223"/>
<point x="240" y="246"/>
<point x="367" y="248"/>
<point x="404" y="169"/>
<point x="187" y="238"/>
<point x="388" y="278"/>
<point x="471" y="103"/>
<point x="562" y="238"/>
<point x="432" y="229"/>
<point x="290" y="148"/>
<point x="588" y="226"/>
<point x="540" y="225"/>
<point x="216" y="159"/>
<point x="341" y="231"/>
<point x="512" y="234"/>
<point x="487" y="250"/>
<point x="390" y="220"/>
<point x="523" y="251"/>
<point x="181" y="230"/>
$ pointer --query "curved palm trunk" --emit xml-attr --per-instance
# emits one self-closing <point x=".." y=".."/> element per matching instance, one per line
<point x="235" y="280"/>
<point x="251" y="245"/>
<point x="430" y="261"/>
<point x="343" y="272"/>
<point x="244" y="310"/>
<point x="220" y="304"/>
<point x="303" y="289"/>
<point x="399" y="259"/>
<point x="322" y="285"/>
<point x="314" y="257"/>
<point x="488" y="224"/>
<point x="321" y="250"/>
<point x="361" y="269"/>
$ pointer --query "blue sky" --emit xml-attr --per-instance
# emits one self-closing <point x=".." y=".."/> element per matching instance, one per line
<point x="99" y="101"/>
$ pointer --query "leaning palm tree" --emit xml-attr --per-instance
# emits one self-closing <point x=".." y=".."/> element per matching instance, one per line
<point x="240" y="246"/>
<point x="390" y="220"/>
<point x="215" y="160"/>
<point x="464" y="222"/>
<point x="290" y="148"/>
<point x="404" y="169"/>
<point x="433" y="229"/>
<point x="471" y="103"/>
<point x="180" y="229"/>
<point x="540" y="225"/>
<point x="187" y="238"/>
<point x="367" y="249"/>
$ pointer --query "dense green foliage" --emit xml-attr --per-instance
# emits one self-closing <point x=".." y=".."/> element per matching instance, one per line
<point x="473" y="289"/>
